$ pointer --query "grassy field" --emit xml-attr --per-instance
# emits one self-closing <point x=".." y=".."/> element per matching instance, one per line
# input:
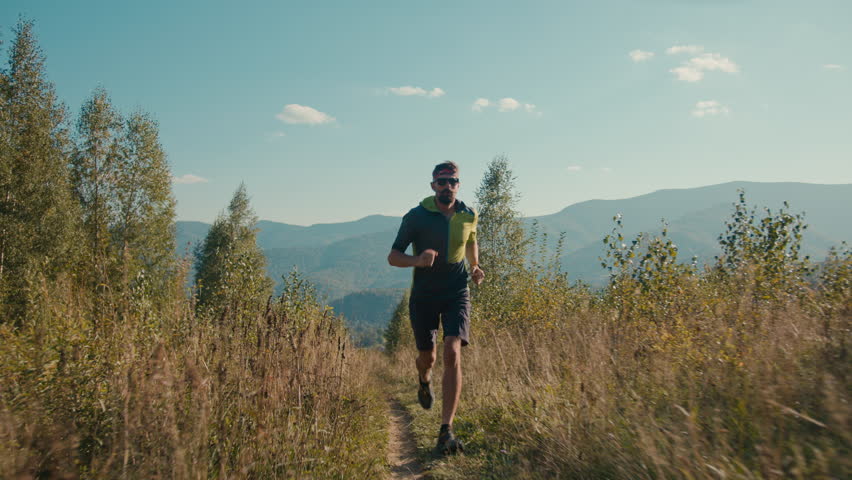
<point x="737" y="371"/>
<point x="698" y="399"/>
<point x="711" y="382"/>
<point x="275" y="391"/>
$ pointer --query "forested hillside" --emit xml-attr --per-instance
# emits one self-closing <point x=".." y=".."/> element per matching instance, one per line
<point x="694" y="217"/>
<point x="367" y="313"/>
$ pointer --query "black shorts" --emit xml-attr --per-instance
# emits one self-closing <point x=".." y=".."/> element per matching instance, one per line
<point x="451" y="311"/>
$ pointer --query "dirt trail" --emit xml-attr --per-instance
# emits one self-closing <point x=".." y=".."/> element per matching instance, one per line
<point x="402" y="449"/>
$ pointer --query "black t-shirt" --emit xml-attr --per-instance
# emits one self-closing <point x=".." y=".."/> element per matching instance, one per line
<point x="426" y="228"/>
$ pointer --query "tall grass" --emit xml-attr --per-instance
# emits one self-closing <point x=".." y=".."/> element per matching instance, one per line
<point x="155" y="391"/>
<point x="735" y="391"/>
<point x="669" y="373"/>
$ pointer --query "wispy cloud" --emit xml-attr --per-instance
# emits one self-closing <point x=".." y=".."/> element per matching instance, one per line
<point x="479" y="104"/>
<point x="714" y="61"/>
<point x="693" y="69"/>
<point x="573" y="168"/>
<point x="507" y="104"/>
<point x="690" y="49"/>
<point x="275" y="135"/>
<point x="706" y="108"/>
<point x="301" y="114"/>
<point x="640" y="55"/>
<point x="408" y="91"/>
<point x="606" y="169"/>
<point x="189" y="179"/>
<point x="833" y="66"/>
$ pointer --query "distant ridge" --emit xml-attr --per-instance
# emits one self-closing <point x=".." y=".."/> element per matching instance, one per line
<point x="589" y="220"/>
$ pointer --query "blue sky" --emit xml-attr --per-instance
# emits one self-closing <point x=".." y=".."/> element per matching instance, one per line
<point x="330" y="111"/>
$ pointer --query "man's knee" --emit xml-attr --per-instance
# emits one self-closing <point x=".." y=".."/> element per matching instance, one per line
<point x="452" y="351"/>
<point x="427" y="358"/>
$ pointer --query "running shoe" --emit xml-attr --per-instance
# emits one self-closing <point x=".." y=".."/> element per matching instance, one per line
<point x="424" y="395"/>
<point x="448" y="444"/>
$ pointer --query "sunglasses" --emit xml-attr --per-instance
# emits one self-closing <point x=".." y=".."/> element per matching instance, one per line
<point x="442" y="182"/>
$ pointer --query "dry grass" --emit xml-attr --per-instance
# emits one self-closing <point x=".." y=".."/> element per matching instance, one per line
<point x="158" y="392"/>
<point x="730" y="388"/>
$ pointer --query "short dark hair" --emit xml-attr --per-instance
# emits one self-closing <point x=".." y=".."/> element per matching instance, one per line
<point x="448" y="165"/>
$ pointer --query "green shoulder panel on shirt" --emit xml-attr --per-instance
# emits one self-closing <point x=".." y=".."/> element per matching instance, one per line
<point x="462" y="228"/>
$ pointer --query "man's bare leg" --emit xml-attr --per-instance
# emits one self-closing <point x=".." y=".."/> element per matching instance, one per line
<point x="425" y="361"/>
<point x="452" y="381"/>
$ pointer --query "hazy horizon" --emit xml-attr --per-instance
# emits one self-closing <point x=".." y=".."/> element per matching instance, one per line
<point x="415" y="201"/>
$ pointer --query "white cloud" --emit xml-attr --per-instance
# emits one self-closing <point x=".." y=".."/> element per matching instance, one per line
<point x="479" y="104"/>
<point x="408" y="91"/>
<point x="640" y="55"/>
<point x="189" y="179"/>
<point x="690" y="49"/>
<point x="714" y="61"/>
<point x="707" y="108"/>
<point x="606" y="170"/>
<point x="436" y="92"/>
<point x="688" y="74"/>
<point x="301" y="114"/>
<point x="832" y="66"/>
<point x="508" y="104"/>
<point x="693" y="69"/>
<point x="573" y="168"/>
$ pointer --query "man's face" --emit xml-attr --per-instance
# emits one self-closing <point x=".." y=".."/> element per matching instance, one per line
<point x="446" y="187"/>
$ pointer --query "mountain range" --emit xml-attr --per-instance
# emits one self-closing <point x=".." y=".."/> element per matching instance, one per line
<point x="349" y="258"/>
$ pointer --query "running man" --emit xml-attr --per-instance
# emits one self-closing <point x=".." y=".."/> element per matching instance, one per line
<point x="443" y="232"/>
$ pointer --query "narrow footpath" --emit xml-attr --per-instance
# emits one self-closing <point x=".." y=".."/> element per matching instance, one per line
<point x="402" y="449"/>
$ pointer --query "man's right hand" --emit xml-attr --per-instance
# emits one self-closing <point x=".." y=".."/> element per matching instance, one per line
<point x="426" y="258"/>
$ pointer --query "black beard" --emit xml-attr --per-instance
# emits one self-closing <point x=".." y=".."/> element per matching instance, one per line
<point x="445" y="197"/>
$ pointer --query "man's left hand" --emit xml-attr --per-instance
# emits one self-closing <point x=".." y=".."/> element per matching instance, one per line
<point x="477" y="275"/>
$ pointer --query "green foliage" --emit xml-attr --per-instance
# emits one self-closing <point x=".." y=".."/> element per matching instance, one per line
<point x="398" y="334"/>
<point x="230" y="267"/>
<point x="502" y="242"/>
<point x="500" y="234"/>
<point x="365" y="334"/>
<point x="366" y="314"/>
<point x="650" y="284"/>
<point x="619" y="256"/>
<point x="540" y="288"/>
<point x="145" y="231"/>
<point x="764" y="253"/>
<point x="298" y="297"/>
<point x="95" y="167"/>
<point x="835" y="279"/>
<point x="37" y="211"/>
<point x="123" y="183"/>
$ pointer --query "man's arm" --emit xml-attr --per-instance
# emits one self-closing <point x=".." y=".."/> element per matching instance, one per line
<point x="472" y="253"/>
<point x="402" y="260"/>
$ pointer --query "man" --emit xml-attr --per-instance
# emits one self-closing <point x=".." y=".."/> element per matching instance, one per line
<point x="443" y="231"/>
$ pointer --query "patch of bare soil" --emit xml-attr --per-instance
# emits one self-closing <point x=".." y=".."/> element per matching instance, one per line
<point x="402" y="449"/>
